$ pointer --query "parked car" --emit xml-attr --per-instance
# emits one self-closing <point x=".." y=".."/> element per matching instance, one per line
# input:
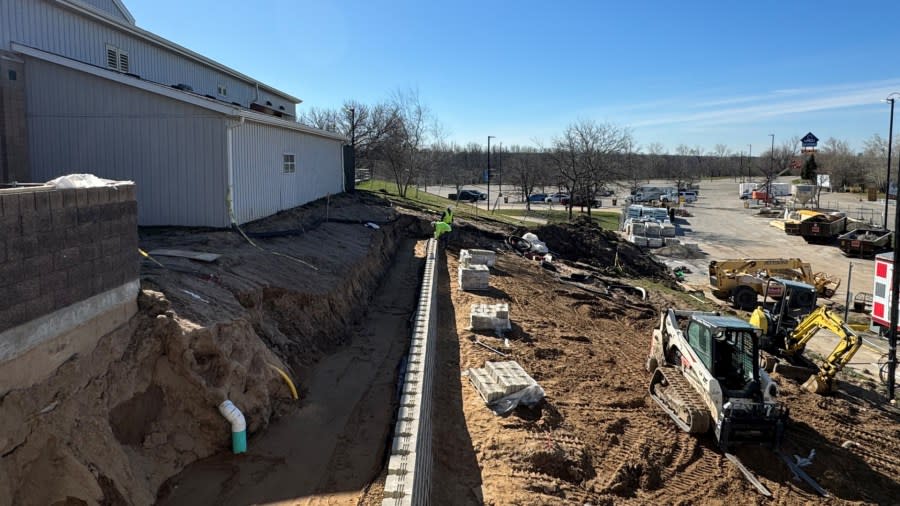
<point x="557" y="198"/>
<point x="605" y="192"/>
<point x="745" y="195"/>
<point x="468" y="196"/>
<point x="580" y="201"/>
<point x="689" y="196"/>
<point x="537" y="197"/>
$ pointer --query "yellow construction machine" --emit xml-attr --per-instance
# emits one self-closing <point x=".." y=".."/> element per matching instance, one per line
<point x="743" y="279"/>
<point x="791" y="322"/>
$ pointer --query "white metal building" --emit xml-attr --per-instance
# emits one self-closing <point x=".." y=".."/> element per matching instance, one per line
<point x="206" y="145"/>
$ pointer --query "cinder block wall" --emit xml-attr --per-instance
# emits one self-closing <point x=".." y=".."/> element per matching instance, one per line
<point x="58" y="247"/>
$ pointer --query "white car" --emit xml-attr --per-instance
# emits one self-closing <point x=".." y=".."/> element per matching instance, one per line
<point x="557" y="198"/>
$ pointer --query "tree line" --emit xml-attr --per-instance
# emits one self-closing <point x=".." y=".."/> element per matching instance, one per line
<point x="401" y="140"/>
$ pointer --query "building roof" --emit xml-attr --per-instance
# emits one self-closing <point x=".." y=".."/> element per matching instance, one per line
<point x="218" y="106"/>
<point x="99" y="15"/>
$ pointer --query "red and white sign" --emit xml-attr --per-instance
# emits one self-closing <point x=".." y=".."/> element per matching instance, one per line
<point x="881" y="291"/>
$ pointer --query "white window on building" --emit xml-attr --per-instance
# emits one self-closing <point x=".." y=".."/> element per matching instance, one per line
<point x="116" y="59"/>
<point x="289" y="166"/>
<point x="223" y="91"/>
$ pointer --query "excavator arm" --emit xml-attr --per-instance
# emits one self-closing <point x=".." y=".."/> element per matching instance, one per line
<point x="848" y="345"/>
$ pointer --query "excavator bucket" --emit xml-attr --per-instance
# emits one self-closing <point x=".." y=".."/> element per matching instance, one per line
<point x="817" y="384"/>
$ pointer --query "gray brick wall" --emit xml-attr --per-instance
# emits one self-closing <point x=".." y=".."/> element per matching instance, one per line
<point x="58" y="247"/>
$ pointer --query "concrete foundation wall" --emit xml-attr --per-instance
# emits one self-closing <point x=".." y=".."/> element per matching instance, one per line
<point x="59" y="247"/>
<point x="408" y="480"/>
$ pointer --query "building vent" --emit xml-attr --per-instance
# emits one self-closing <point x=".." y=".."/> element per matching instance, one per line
<point x="116" y="59"/>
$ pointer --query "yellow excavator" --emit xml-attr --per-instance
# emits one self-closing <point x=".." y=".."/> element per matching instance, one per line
<point x="793" y="321"/>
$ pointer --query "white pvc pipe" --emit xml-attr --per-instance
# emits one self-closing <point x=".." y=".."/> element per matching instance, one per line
<point x="238" y="426"/>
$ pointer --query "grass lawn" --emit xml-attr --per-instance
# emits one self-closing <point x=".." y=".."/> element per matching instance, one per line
<point x="433" y="203"/>
<point x="607" y="220"/>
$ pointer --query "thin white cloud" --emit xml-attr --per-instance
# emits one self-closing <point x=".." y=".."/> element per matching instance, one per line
<point x="775" y="104"/>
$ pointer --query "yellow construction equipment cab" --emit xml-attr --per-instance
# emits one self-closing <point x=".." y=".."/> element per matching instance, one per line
<point x="793" y="322"/>
<point x="743" y="279"/>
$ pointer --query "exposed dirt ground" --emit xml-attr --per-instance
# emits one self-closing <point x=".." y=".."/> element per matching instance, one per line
<point x="110" y="427"/>
<point x="135" y="422"/>
<point x="598" y="438"/>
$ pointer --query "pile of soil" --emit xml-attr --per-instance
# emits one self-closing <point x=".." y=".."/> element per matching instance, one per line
<point x="111" y="426"/>
<point x="584" y="241"/>
<point x="680" y="251"/>
<point x="599" y="439"/>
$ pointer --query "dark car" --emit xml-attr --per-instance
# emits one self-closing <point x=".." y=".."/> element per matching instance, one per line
<point x="537" y="197"/>
<point x="468" y="196"/>
<point x="580" y="201"/>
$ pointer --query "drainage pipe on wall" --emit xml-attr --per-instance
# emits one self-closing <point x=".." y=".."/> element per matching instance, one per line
<point x="238" y="426"/>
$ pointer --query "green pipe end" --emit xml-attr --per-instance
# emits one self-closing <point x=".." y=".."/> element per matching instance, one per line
<point x="239" y="441"/>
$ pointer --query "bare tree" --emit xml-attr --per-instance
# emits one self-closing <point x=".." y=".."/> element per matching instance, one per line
<point x="525" y="166"/>
<point x="585" y="157"/>
<point x="413" y="130"/>
<point x="838" y="160"/>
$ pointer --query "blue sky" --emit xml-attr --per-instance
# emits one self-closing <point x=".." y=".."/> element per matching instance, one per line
<point x="698" y="73"/>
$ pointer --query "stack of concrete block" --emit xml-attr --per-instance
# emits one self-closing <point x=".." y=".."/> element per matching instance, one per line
<point x="485" y="385"/>
<point x="489" y="317"/>
<point x="499" y="379"/>
<point x="509" y="376"/>
<point x="670" y="241"/>
<point x="474" y="277"/>
<point x="477" y="257"/>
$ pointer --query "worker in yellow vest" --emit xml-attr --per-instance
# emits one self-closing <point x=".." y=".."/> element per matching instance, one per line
<point x="448" y="216"/>
<point x="440" y="228"/>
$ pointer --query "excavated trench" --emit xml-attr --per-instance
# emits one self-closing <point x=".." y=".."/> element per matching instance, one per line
<point x="118" y="425"/>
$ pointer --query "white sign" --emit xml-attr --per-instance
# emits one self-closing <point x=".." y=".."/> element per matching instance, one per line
<point x="823" y="180"/>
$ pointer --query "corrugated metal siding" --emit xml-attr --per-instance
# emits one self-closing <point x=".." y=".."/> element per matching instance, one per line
<point x="107" y="6"/>
<point x="46" y="26"/>
<point x="261" y="188"/>
<point x="175" y="152"/>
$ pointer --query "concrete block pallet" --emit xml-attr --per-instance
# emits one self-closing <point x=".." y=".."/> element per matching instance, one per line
<point x="474" y="277"/>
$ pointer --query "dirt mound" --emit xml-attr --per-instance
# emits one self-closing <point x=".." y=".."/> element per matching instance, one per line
<point x="111" y="426"/>
<point x="560" y="457"/>
<point x="592" y="370"/>
<point x="586" y="242"/>
<point x="689" y="251"/>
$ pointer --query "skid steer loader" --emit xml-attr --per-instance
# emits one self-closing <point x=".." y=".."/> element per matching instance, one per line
<point x="706" y="374"/>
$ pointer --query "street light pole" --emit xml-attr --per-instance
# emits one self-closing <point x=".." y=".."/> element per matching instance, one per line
<point x="489" y="172"/>
<point x="887" y="192"/>
<point x="500" y="169"/>
<point x="749" y="161"/>
<point x="771" y="169"/>
<point x="895" y="299"/>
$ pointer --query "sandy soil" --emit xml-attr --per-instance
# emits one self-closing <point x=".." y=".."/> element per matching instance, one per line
<point x="599" y="439"/>
<point x="111" y="426"/>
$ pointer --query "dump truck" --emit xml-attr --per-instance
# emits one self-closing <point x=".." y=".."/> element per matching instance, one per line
<point x="744" y="279"/>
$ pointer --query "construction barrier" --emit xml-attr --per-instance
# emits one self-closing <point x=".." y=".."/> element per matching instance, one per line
<point x="408" y="479"/>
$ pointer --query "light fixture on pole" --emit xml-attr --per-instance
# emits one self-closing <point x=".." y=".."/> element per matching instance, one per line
<point x="488" y="175"/>
<point x="771" y="170"/>
<point x="887" y="191"/>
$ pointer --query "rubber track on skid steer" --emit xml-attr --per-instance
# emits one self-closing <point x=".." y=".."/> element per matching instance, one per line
<point x="678" y="396"/>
